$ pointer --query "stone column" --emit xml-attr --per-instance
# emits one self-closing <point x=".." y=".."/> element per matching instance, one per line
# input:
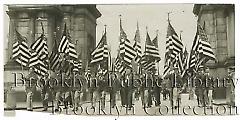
<point x="11" y="38"/>
<point x="32" y="15"/>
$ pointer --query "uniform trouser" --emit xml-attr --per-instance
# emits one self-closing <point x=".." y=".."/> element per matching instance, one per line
<point x="157" y="96"/>
<point x="129" y="98"/>
<point x="29" y="92"/>
<point x="57" y="100"/>
<point x="142" y="97"/>
<point x="145" y="97"/>
<point x="210" y="99"/>
<point x="178" y="101"/>
<point x="191" y="94"/>
<point x="205" y="97"/>
<point x="67" y="98"/>
<point x="77" y="98"/>
<point x="123" y="96"/>
<point x="149" y="99"/>
<point x="199" y="94"/>
<point x="103" y="99"/>
<point x="95" y="97"/>
<point x="230" y="96"/>
<point x="29" y="100"/>
<point x="45" y="99"/>
<point x="113" y="98"/>
<point x="164" y="94"/>
<point x="173" y="97"/>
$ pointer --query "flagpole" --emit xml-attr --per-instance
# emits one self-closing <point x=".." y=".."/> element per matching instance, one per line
<point x="18" y="46"/>
<point x="168" y="19"/>
<point x="21" y="63"/>
<point x="159" y="54"/>
<point x="120" y="22"/>
<point x="55" y="37"/>
<point x="138" y="64"/>
<point x="105" y="29"/>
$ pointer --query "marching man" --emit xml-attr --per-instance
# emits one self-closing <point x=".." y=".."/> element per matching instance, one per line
<point x="30" y="87"/>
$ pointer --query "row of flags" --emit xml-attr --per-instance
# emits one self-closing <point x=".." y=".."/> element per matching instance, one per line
<point x="201" y="51"/>
<point x="64" y="56"/>
<point x="176" y="55"/>
<point x="20" y="51"/>
<point x="128" y="53"/>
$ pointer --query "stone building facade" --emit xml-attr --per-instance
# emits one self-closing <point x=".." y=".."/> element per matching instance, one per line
<point x="219" y="22"/>
<point x="26" y="19"/>
<point x="80" y="21"/>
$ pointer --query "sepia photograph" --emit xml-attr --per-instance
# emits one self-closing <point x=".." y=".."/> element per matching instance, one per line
<point x="164" y="59"/>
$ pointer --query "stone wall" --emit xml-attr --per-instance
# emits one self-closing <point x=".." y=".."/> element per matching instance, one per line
<point x="80" y="21"/>
<point x="27" y="19"/>
<point x="219" y="27"/>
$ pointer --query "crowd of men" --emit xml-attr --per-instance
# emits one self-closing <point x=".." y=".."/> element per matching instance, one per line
<point x="79" y="88"/>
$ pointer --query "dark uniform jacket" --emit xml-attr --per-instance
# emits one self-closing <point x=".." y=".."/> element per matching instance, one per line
<point x="31" y="81"/>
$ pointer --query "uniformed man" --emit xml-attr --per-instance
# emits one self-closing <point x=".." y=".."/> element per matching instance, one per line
<point x="78" y="88"/>
<point x="157" y="89"/>
<point x="190" y="76"/>
<point x="30" y="87"/>
<point x="209" y="88"/>
<point x="142" y="90"/>
<point x="129" y="88"/>
<point x="102" y="88"/>
<point x="136" y="87"/>
<point x="199" y="86"/>
<point x="231" y="87"/>
<point x="94" y="90"/>
<point x="113" y="89"/>
<point x="67" y="89"/>
<point x="57" y="91"/>
<point x="165" y="88"/>
<point x="45" y="91"/>
<point x="123" y="93"/>
<point x="148" y="89"/>
<point x="175" y="83"/>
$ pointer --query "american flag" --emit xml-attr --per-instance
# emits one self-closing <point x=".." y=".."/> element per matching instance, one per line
<point x="147" y="63"/>
<point x="39" y="55"/>
<point x="119" y="65"/>
<point x="72" y="52"/>
<point x="151" y="49"/>
<point x="127" y="51"/>
<point x="63" y="46"/>
<point x="137" y="47"/>
<point x="201" y="51"/>
<point x="54" y="58"/>
<point x="40" y="46"/>
<point x="100" y="53"/>
<point x="173" y="44"/>
<point x="20" y="51"/>
<point x="39" y="65"/>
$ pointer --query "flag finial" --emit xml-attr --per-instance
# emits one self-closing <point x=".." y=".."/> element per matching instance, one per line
<point x="137" y="26"/>
<point x="120" y="17"/>
<point x="42" y="28"/>
<point x="105" y="28"/>
<point x="157" y="32"/>
<point x="180" y="34"/>
<point x="168" y="16"/>
<point x="181" y="31"/>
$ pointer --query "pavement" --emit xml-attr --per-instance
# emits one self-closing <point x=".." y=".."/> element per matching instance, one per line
<point x="187" y="107"/>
